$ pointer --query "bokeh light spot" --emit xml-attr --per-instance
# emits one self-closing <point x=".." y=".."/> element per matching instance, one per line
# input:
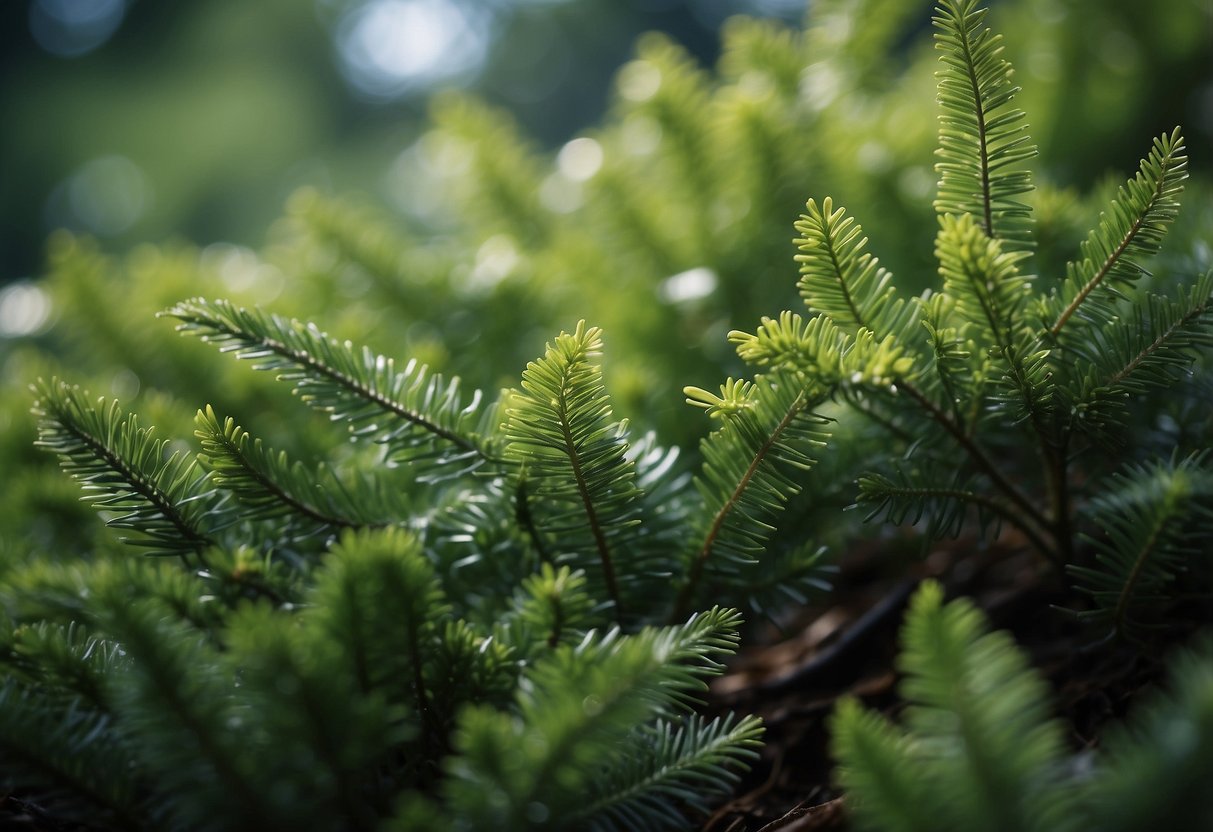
<point x="690" y="285"/>
<point x="105" y="196"/>
<point x="639" y="81"/>
<point x="24" y="309"/>
<point x="391" y="47"/>
<point x="580" y="159"/>
<point x="71" y="28"/>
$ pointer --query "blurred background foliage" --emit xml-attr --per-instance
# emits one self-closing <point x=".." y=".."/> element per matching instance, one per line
<point x="137" y="119"/>
<point x="463" y="179"/>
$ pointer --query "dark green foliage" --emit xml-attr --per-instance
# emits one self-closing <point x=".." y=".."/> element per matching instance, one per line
<point x="268" y="486"/>
<point x="320" y="642"/>
<point x="976" y="749"/>
<point x="424" y="416"/>
<point x="1156" y="769"/>
<point x="467" y="611"/>
<point x="1154" y="543"/>
<point x="164" y="500"/>
<point x="1133" y="226"/>
<point x="1001" y="406"/>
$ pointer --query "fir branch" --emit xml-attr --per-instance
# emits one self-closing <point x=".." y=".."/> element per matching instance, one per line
<point x="990" y="294"/>
<point x="980" y="135"/>
<point x="979" y="750"/>
<point x="67" y="757"/>
<point x="64" y="658"/>
<point x="576" y="713"/>
<point x="820" y="353"/>
<point x="123" y="468"/>
<point x="1143" y="350"/>
<point x="839" y="279"/>
<point x="1133" y="226"/>
<point x="268" y="485"/>
<point x="424" y="417"/>
<point x="561" y="428"/>
<point x="379" y="581"/>
<point x="176" y="707"/>
<point x="767" y="427"/>
<point x="878" y="767"/>
<point x="1031" y="514"/>
<point x="676" y="765"/>
<point x="555" y="603"/>
<point x="958" y="366"/>
<point x="915" y="494"/>
<point x="1156" y="769"/>
<point x="1155" y="520"/>
<point x="323" y="740"/>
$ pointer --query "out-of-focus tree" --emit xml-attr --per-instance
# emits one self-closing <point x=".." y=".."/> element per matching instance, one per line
<point x="138" y="120"/>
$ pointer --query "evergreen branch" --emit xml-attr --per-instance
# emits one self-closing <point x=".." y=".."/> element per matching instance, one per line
<point x="979" y="133"/>
<point x="1156" y="768"/>
<point x="956" y="364"/>
<point x="177" y="708"/>
<point x="379" y="581"/>
<point x="68" y="757"/>
<point x="979" y="750"/>
<point x="980" y="459"/>
<point x="914" y="495"/>
<point x="1133" y="226"/>
<point x="64" y="658"/>
<point x="576" y="713"/>
<point x="786" y="577"/>
<point x="327" y="740"/>
<point x="525" y="516"/>
<point x="1143" y="350"/>
<point x="768" y="426"/>
<point x="983" y="278"/>
<point x="677" y="765"/>
<point x="561" y="428"/>
<point x="125" y="469"/>
<point x="821" y="353"/>
<point x="554" y="602"/>
<point x="878" y="766"/>
<point x="425" y="419"/>
<point x="1155" y="526"/>
<point x="270" y="486"/>
<point x="990" y="294"/>
<point x="839" y="279"/>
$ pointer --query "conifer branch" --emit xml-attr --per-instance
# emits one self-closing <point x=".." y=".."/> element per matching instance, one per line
<point x="985" y="465"/>
<point x="879" y="489"/>
<point x="561" y="431"/>
<point x="125" y="468"/>
<point x="979" y="133"/>
<point x="270" y="486"/>
<point x="758" y="467"/>
<point x="358" y="388"/>
<point x="1134" y="224"/>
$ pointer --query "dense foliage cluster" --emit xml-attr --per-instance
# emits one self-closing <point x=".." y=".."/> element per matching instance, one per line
<point x="439" y="607"/>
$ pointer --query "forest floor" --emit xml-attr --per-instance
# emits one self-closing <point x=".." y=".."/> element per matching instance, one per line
<point x="847" y="646"/>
